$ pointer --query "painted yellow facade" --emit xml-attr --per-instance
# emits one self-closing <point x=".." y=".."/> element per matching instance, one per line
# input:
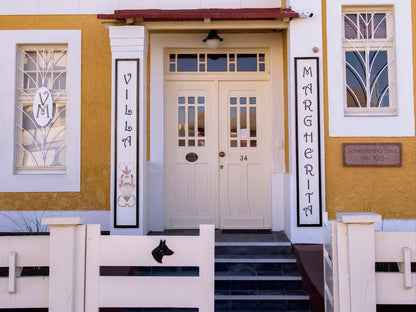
<point x="95" y="117"/>
<point x="390" y="192"/>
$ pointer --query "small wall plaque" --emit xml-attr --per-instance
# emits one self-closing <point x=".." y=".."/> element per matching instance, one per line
<point x="372" y="154"/>
<point x="191" y="157"/>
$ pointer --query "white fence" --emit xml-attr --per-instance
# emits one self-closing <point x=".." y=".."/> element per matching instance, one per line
<point x="351" y="250"/>
<point x="74" y="254"/>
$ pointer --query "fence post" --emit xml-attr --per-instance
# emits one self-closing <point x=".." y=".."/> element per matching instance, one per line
<point x="207" y="271"/>
<point x="356" y="261"/>
<point x="66" y="264"/>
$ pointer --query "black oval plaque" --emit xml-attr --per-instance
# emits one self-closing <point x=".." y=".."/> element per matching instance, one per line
<point x="191" y="157"/>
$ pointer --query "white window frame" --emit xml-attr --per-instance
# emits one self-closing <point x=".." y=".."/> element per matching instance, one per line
<point x="402" y="122"/>
<point x="68" y="181"/>
<point x="367" y="45"/>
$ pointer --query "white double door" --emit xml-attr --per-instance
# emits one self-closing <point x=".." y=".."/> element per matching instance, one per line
<point x="217" y="154"/>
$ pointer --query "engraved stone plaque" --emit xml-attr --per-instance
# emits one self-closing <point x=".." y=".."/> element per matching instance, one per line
<point x="372" y="154"/>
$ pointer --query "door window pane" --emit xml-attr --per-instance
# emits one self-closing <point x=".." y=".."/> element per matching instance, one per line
<point x="217" y="62"/>
<point x="233" y="122"/>
<point x="246" y="62"/>
<point x="243" y="122"/>
<point x="181" y="121"/>
<point x="187" y="63"/>
<point x="253" y="124"/>
<point x="191" y="120"/>
<point x="201" y="121"/>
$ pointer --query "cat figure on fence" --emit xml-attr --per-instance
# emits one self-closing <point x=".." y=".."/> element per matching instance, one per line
<point x="161" y="250"/>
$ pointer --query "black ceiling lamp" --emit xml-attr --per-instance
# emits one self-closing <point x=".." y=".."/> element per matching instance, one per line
<point x="212" y="40"/>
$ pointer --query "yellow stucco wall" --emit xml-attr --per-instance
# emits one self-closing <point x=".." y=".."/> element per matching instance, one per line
<point x="388" y="191"/>
<point x="95" y="117"/>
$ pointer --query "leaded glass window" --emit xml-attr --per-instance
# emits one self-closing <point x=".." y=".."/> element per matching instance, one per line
<point x="217" y="62"/>
<point x="41" y="108"/>
<point x="368" y="45"/>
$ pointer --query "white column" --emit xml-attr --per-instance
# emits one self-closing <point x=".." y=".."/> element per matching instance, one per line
<point x="66" y="264"/>
<point x="356" y="261"/>
<point x="129" y="43"/>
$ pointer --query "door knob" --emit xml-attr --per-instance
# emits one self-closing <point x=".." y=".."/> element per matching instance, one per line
<point x="221" y="154"/>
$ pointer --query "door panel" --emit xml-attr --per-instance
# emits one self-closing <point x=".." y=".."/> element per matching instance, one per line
<point x="244" y="179"/>
<point x="191" y="142"/>
<point x="230" y="190"/>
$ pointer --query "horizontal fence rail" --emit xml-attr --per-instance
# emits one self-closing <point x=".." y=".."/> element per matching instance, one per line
<point x="354" y="260"/>
<point x="78" y="269"/>
<point x="16" y="253"/>
<point x="150" y="291"/>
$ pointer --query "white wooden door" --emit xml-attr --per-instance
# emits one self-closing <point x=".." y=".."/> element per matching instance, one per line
<point x="244" y="162"/>
<point x="190" y="156"/>
<point x="217" y="154"/>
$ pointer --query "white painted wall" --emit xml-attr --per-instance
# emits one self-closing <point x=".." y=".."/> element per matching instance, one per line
<point x="130" y="42"/>
<point x="304" y="34"/>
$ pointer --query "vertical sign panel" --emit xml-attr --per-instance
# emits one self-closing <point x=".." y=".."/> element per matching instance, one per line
<point x="307" y="133"/>
<point x="126" y="209"/>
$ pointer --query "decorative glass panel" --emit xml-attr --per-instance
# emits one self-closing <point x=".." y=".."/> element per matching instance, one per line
<point x="350" y="26"/>
<point x="380" y="26"/>
<point x="369" y="62"/>
<point x="41" y="108"/>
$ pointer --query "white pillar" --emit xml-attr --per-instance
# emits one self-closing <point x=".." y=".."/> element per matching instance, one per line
<point x="128" y="43"/>
<point x="66" y="264"/>
<point x="356" y="261"/>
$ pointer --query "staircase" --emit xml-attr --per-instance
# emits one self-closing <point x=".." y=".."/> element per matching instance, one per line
<point x="257" y="272"/>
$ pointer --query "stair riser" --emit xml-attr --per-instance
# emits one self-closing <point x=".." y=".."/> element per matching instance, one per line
<point x="260" y="305"/>
<point x="253" y="250"/>
<point x="259" y="269"/>
<point x="257" y="287"/>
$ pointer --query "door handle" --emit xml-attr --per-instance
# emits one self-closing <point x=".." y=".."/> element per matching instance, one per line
<point x="221" y="154"/>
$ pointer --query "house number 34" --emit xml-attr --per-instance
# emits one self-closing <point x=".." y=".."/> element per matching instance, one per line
<point x="243" y="157"/>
